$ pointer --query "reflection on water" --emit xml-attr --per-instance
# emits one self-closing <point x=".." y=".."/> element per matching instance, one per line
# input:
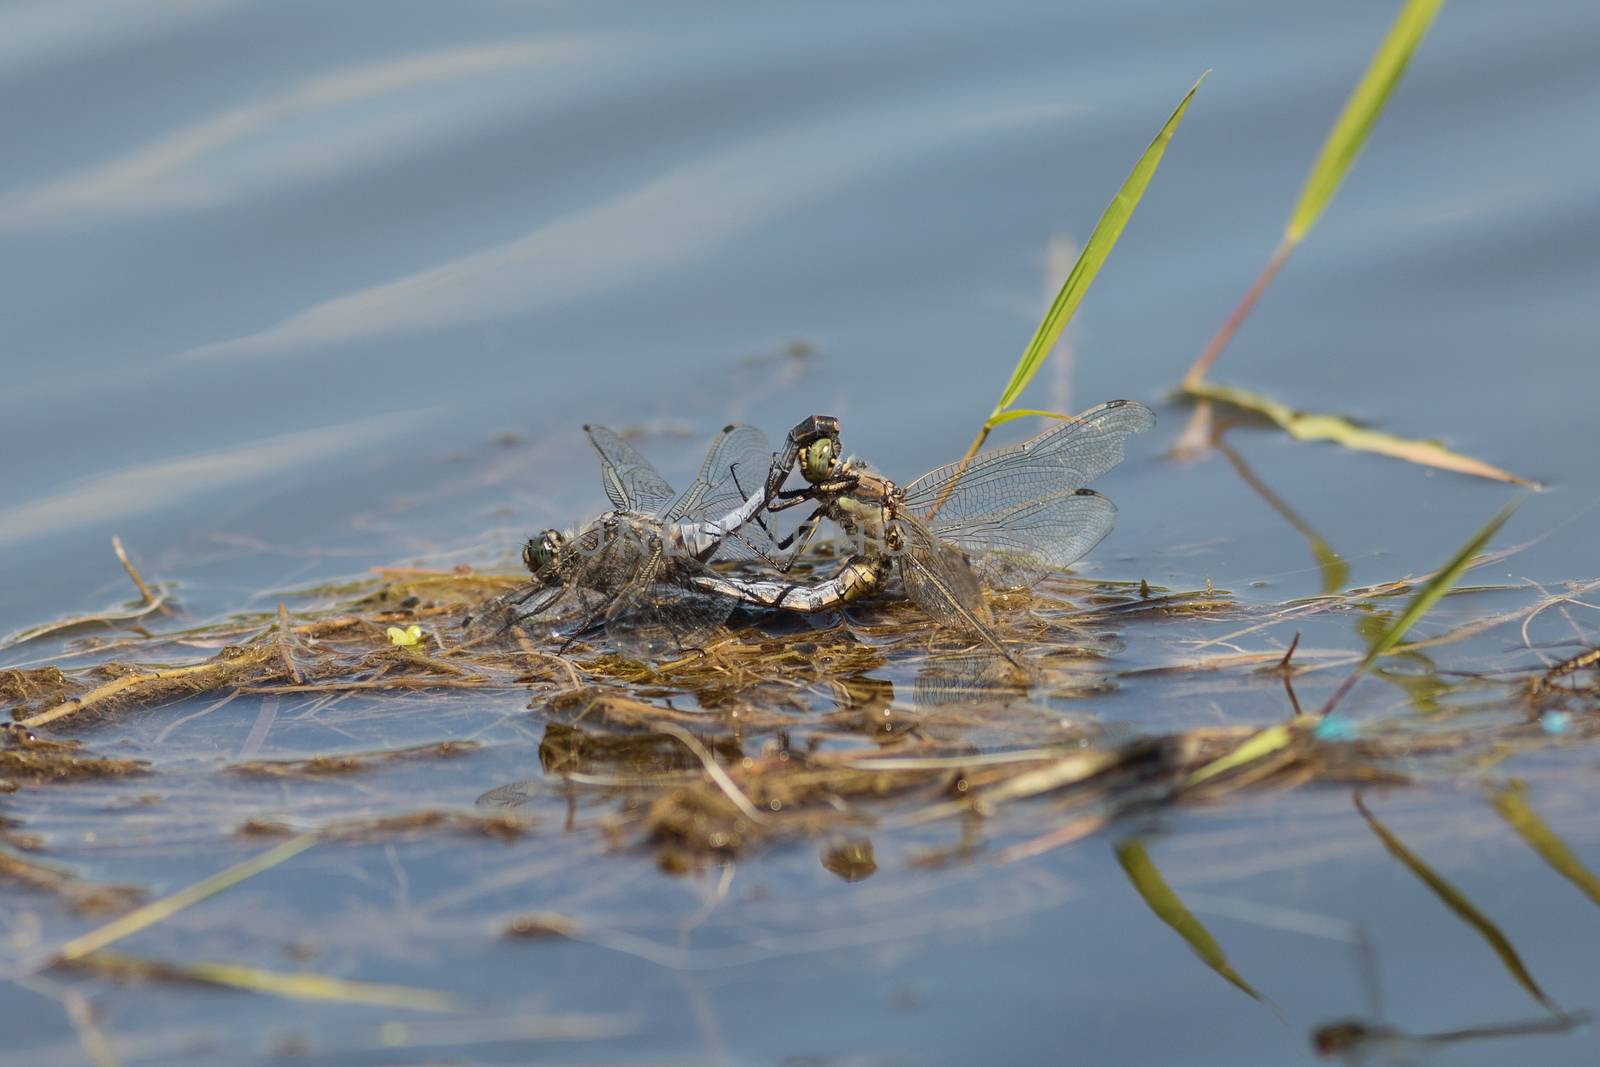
<point x="667" y="222"/>
<point x="122" y="494"/>
<point x="1358" y="1042"/>
<point x="192" y="168"/>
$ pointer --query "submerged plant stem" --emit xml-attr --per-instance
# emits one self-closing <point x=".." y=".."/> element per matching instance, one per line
<point x="1235" y="320"/>
<point x="168" y="906"/>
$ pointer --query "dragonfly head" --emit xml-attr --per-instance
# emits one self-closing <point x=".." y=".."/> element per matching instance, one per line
<point x="813" y="445"/>
<point x="820" y="451"/>
<point x="542" y="553"/>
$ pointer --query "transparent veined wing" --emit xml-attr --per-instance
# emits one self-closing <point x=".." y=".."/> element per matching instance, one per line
<point x="631" y="483"/>
<point x="1013" y="548"/>
<point x="938" y="580"/>
<point x="735" y="468"/>
<point x="1066" y="456"/>
<point x="599" y="559"/>
<point x="661" y="612"/>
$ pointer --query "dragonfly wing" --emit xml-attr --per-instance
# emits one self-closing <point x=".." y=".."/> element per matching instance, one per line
<point x="938" y="580"/>
<point x="1066" y="456"/>
<point x="596" y="562"/>
<point x="631" y="483"/>
<point x="743" y="461"/>
<point x="661" y="613"/>
<point x="735" y="468"/>
<point x="936" y="577"/>
<point x="1015" y="547"/>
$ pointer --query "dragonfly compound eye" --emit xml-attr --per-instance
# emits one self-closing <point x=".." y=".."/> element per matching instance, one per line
<point x="539" y="554"/>
<point x="818" y="459"/>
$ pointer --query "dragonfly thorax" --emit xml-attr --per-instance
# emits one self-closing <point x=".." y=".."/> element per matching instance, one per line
<point x="867" y="508"/>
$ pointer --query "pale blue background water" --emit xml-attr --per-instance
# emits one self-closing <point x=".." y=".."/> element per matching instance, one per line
<point x="275" y="276"/>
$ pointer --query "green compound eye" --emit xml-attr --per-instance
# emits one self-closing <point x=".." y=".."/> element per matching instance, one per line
<point x="540" y="553"/>
<point x="534" y="556"/>
<point x="817" y="460"/>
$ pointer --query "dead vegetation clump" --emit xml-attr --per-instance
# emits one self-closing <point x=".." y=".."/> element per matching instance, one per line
<point x="775" y="730"/>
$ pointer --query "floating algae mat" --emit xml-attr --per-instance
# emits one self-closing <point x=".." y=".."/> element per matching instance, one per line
<point x="428" y="793"/>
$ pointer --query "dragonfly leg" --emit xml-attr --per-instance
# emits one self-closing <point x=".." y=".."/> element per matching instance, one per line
<point x="790" y="498"/>
<point x="808" y="530"/>
<point x="808" y="527"/>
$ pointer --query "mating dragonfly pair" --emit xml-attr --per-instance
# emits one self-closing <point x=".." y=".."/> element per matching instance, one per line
<point x="1002" y="520"/>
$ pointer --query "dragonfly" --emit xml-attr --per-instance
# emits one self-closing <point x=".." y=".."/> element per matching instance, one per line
<point x="1002" y="520"/>
<point x="633" y="569"/>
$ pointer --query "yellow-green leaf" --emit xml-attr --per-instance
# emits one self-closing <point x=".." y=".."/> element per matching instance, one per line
<point x="1461" y="906"/>
<point x="410" y="637"/>
<point x="1437" y="586"/>
<point x="301" y="985"/>
<point x="1360" y="112"/>
<point x="1093" y="256"/>
<point x="1258" y="745"/>
<point x="1022" y="413"/>
<point x="1171" y="910"/>
<point x="1308" y="426"/>
<point x="1509" y="801"/>
<point x="160" y="910"/>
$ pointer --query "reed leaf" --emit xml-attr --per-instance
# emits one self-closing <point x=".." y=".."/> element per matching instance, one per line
<point x="1267" y="742"/>
<point x="160" y="910"/>
<point x="1430" y="594"/>
<point x="1090" y="260"/>
<point x="1023" y="413"/>
<point x="1463" y="908"/>
<point x="1360" y="114"/>
<point x="1339" y="150"/>
<point x="296" y="985"/>
<point x="1310" y="426"/>
<point x="1437" y="586"/>
<point x="1171" y="910"/>
<point x="1258" y="745"/>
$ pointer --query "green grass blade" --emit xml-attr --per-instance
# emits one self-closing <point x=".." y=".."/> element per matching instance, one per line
<point x="1310" y="426"/>
<point x="294" y="985"/>
<point x="1509" y="801"/>
<point x="1437" y="586"/>
<point x="1171" y="910"/>
<point x="1360" y="112"/>
<point x="160" y="910"/>
<point x="1022" y="413"/>
<point x="1257" y="746"/>
<point x="1463" y="908"/>
<point x="1093" y="256"/>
